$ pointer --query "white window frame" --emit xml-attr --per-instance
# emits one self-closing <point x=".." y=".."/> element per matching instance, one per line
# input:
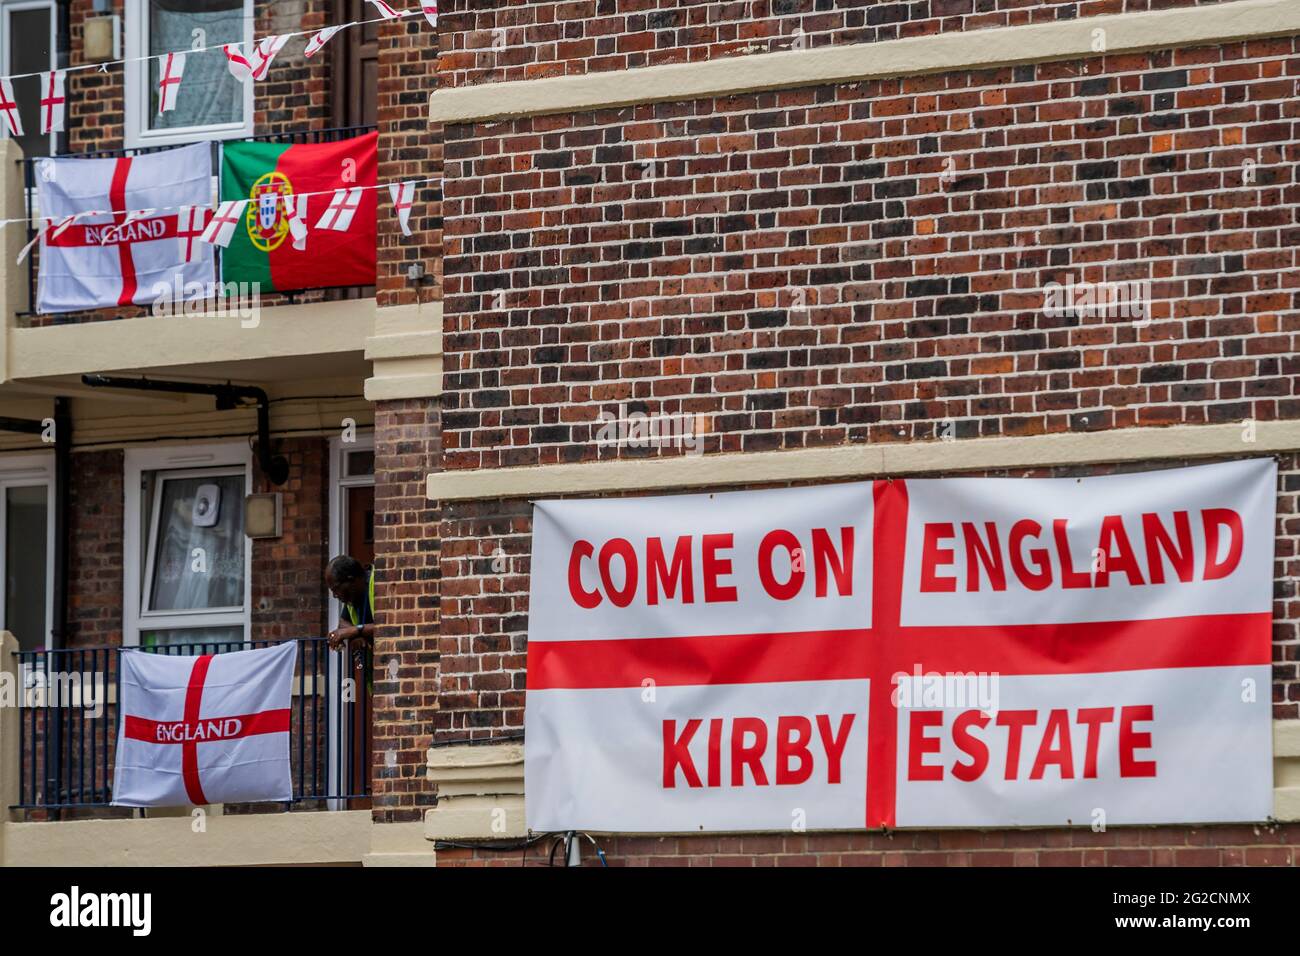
<point x="198" y="460"/>
<point x="13" y="6"/>
<point x="26" y="471"/>
<point x="137" y="128"/>
<point x="339" y="481"/>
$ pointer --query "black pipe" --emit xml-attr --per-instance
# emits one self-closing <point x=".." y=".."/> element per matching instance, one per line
<point x="25" y="425"/>
<point x="62" y="475"/>
<point x="274" y="467"/>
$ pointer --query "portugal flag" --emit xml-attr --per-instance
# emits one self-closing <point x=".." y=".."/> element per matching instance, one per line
<point x="268" y="174"/>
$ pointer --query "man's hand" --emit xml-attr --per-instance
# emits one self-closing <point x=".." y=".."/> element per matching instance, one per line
<point x="342" y="636"/>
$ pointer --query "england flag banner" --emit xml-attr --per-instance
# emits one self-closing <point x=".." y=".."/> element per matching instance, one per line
<point x="207" y="729"/>
<point x="952" y="652"/>
<point x="112" y="259"/>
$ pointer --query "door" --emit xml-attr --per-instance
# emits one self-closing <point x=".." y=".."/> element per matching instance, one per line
<point x="352" y="493"/>
<point x="27" y="549"/>
<point x="356" y="72"/>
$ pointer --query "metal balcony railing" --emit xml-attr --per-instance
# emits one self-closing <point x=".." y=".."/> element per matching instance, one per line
<point x="69" y="717"/>
<point x="31" y="166"/>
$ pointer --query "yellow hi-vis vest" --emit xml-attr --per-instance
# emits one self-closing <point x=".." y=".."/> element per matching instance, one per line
<point x="352" y="612"/>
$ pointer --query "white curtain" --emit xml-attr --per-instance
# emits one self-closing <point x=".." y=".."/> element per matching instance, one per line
<point x="209" y="94"/>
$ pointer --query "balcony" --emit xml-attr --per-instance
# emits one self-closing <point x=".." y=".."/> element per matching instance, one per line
<point x="68" y="719"/>
<point x="47" y="353"/>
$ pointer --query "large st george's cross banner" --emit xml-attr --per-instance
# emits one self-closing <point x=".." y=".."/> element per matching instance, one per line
<point x="759" y="660"/>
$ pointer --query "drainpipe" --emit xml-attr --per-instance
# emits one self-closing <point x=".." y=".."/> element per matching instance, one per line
<point x="274" y="467"/>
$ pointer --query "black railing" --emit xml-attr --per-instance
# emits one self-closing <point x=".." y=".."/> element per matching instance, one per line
<point x="69" y="717"/>
<point x="31" y="167"/>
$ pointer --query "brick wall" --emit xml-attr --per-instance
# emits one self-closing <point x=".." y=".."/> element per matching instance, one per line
<point x="484" y="616"/>
<point x="406" y="707"/>
<point x="486" y="43"/>
<point x="287" y="588"/>
<point x="1125" y="846"/>
<point x="95" y="522"/>
<point x="409" y="149"/>
<point x="868" y="262"/>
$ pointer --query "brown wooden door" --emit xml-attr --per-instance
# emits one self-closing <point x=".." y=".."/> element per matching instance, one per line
<point x="356" y="71"/>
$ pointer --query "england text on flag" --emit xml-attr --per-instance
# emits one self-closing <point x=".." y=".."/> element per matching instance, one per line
<point x="206" y="729"/>
<point x="101" y="260"/>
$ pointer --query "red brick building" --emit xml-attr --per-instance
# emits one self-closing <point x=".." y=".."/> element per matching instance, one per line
<point x="824" y="232"/>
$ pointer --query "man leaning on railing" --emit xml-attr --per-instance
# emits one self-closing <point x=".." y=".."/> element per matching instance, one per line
<point x="353" y="586"/>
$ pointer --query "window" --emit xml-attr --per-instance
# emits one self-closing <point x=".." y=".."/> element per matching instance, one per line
<point x="212" y="104"/>
<point x="188" y="560"/>
<point x="28" y="29"/>
<point x="27" y="549"/>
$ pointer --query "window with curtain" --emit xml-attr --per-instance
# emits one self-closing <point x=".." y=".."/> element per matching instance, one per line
<point x="210" y="98"/>
<point x="194" y="581"/>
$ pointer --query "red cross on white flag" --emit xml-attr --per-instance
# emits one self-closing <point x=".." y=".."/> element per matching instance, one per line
<point x="169" y="83"/>
<point x="190" y="223"/>
<point x="206" y="729"/>
<point x="221" y="227"/>
<point x="385" y="11"/>
<point x="403" y="196"/>
<point x="343" y="206"/>
<point x="295" y="210"/>
<point x="240" y="67"/>
<point x="319" y="40"/>
<point x="9" y="106"/>
<point x="430" y="8"/>
<point x="52" y="101"/>
<point x="265" y="52"/>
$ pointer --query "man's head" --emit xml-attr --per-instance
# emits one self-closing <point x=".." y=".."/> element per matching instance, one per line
<point x="346" y="579"/>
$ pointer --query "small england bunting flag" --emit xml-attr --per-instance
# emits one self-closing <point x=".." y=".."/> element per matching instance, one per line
<point x="52" y="101"/>
<point x="9" y="106"/>
<point x="385" y="11"/>
<point x="169" y="82"/>
<point x="221" y="227"/>
<point x="240" y="67"/>
<point x="265" y="52"/>
<point x="430" y="8"/>
<point x="295" y="210"/>
<point x="343" y="206"/>
<point x="190" y="222"/>
<point x="403" y="196"/>
<point x="319" y="40"/>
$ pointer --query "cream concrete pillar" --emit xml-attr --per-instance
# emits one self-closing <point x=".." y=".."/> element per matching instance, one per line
<point x="406" y="350"/>
<point x="1286" y="769"/>
<point x="13" y="277"/>
<point x="480" y="792"/>
<point x="10" y="695"/>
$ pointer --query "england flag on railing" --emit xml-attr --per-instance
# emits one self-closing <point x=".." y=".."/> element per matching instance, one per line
<point x="103" y="260"/>
<point x="207" y="729"/>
